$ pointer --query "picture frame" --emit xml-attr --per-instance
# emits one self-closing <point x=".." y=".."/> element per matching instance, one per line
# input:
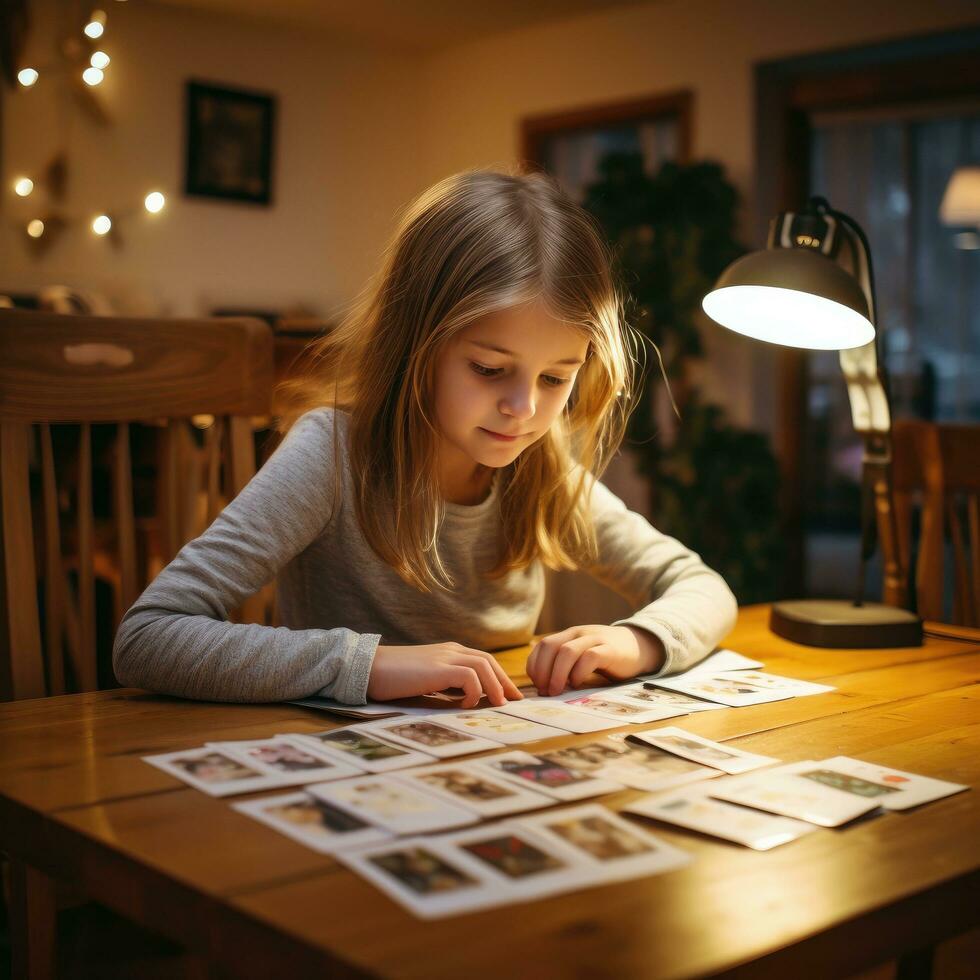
<point x="229" y="141"/>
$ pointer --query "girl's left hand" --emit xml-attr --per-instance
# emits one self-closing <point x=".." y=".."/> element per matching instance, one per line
<point x="569" y="657"/>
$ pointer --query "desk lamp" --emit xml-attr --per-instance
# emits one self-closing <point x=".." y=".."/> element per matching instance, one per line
<point x="796" y="293"/>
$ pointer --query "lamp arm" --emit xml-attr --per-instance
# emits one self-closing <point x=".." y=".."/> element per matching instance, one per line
<point x="867" y="389"/>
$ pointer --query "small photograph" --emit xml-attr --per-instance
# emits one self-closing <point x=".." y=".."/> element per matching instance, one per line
<point x="427" y="733"/>
<point x="501" y="728"/>
<point x="431" y="736"/>
<point x="541" y="772"/>
<point x="393" y="805"/>
<point x="314" y="814"/>
<point x="311" y="821"/>
<point x="588" y="757"/>
<point x="465" y="784"/>
<point x="360" y="745"/>
<point x="215" y="772"/>
<point x="513" y="856"/>
<point x="288" y="758"/>
<point x="688" y="745"/>
<point x="849" y="784"/>
<point x="214" y="767"/>
<point x="422" y="871"/>
<point x="600" y="837"/>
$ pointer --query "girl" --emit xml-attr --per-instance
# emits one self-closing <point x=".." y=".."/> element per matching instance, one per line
<point x="443" y="453"/>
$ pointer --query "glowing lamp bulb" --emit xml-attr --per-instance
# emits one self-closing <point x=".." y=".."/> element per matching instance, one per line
<point x="92" y="76"/>
<point x="99" y="60"/>
<point x="23" y="186"/>
<point x="154" y="202"/>
<point x="27" y="77"/>
<point x="93" y="29"/>
<point x="35" y="228"/>
<point x="102" y="224"/>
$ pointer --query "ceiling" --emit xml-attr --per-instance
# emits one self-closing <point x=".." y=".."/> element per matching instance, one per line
<point x="415" y="25"/>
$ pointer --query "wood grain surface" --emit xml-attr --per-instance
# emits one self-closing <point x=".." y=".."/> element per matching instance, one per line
<point x="78" y="803"/>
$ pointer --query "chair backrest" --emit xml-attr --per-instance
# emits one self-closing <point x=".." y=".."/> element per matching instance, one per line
<point x="936" y="468"/>
<point x="110" y="374"/>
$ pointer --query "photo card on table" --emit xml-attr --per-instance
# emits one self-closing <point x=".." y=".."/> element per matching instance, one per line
<point x="475" y="788"/>
<point x="787" y="791"/>
<point x="289" y="758"/>
<point x="547" y="777"/>
<point x="215" y="772"/>
<point x="693" y="809"/>
<point x="394" y="805"/>
<point x="558" y="714"/>
<point x="506" y="729"/>
<point x="369" y="754"/>
<point x="686" y="744"/>
<point x="428" y="734"/>
<point x="312" y="821"/>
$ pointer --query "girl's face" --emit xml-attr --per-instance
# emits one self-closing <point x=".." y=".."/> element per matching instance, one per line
<point x="500" y="383"/>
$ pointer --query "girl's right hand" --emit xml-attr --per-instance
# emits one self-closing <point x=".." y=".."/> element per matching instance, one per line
<point x="403" y="672"/>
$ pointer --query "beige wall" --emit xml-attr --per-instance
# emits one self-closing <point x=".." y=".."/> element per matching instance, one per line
<point x="346" y="158"/>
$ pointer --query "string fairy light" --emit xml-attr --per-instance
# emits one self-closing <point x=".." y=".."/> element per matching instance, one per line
<point x="74" y="53"/>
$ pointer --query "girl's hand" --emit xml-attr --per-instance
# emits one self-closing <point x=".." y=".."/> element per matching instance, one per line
<point x="404" y="672"/>
<point x="569" y="657"/>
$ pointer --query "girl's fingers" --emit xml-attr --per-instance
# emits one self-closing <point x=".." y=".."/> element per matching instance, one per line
<point x="488" y="679"/>
<point x="510" y="689"/>
<point x="586" y="665"/>
<point x="565" y="660"/>
<point x="466" y="678"/>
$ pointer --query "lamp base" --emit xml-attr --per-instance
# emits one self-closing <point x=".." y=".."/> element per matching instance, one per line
<point x="841" y="624"/>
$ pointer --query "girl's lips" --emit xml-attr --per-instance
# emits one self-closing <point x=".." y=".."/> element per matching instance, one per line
<point x="497" y="435"/>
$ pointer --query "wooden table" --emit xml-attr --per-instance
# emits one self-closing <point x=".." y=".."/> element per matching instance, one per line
<point x="78" y="804"/>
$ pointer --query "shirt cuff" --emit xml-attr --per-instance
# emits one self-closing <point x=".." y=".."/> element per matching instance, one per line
<point x="351" y="685"/>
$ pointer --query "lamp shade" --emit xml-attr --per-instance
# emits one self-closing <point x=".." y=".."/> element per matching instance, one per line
<point x="794" y="297"/>
<point x="961" y="201"/>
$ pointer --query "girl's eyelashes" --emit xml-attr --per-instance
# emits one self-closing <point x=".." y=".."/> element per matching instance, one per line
<point x="488" y="372"/>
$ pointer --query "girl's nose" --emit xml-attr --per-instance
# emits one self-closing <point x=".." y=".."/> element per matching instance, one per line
<point x="518" y="402"/>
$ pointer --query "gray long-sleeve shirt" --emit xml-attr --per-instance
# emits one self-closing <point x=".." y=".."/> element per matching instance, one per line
<point x="338" y="600"/>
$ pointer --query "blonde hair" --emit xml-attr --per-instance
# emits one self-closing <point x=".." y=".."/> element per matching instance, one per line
<point x="475" y="243"/>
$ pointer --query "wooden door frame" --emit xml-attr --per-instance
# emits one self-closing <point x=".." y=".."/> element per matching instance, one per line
<point x="927" y="68"/>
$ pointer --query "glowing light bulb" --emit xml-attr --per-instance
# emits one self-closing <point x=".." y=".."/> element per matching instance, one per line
<point x="35" y="228"/>
<point x="94" y="28"/>
<point x="99" y="60"/>
<point x="92" y="76"/>
<point x="27" y="77"/>
<point x="23" y="186"/>
<point x="154" y="202"/>
<point x="102" y="224"/>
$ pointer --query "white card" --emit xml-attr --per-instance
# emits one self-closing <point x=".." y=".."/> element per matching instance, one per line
<point x="426" y="877"/>
<point x="776" y="682"/>
<point x="546" y="711"/>
<point x="614" y="848"/>
<point x="547" y="777"/>
<point x="726" y="689"/>
<point x="507" y="729"/>
<point x="634" y="765"/>
<point x="891" y="788"/>
<point x="429" y="735"/>
<point x="786" y="792"/>
<point x="357" y="747"/>
<point x="690" y="746"/>
<point x="694" y="809"/>
<point x="673" y="702"/>
<point x="520" y="861"/>
<point x="617" y="708"/>
<point x="311" y="821"/>
<point x="393" y="805"/>
<point x="288" y="758"/>
<point x="474" y="789"/>
<point x="723" y="659"/>
<point x="215" y="772"/>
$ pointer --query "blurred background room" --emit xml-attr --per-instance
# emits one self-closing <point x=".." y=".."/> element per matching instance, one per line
<point x="190" y="158"/>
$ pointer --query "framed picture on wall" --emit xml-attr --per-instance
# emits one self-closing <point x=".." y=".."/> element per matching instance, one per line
<point x="229" y="142"/>
<point x="571" y="145"/>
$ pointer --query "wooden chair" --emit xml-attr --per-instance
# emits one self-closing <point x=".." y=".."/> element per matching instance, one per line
<point x="93" y="370"/>
<point x="936" y="470"/>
